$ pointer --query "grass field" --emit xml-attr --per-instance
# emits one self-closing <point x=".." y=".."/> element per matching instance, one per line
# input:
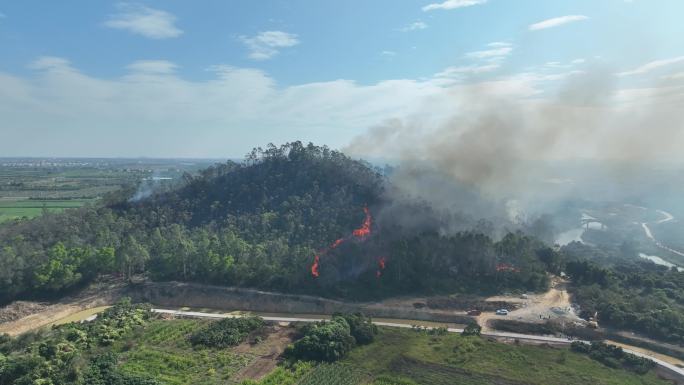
<point x="30" y="208"/>
<point x="407" y="357"/>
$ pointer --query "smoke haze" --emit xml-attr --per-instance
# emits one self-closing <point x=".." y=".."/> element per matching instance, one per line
<point x="503" y="156"/>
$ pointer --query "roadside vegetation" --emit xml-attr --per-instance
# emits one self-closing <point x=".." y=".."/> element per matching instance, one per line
<point x="627" y="294"/>
<point x="332" y="340"/>
<point x="126" y="345"/>
<point x="424" y="357"/>
<point x="226" y="332"/>
<point x="613" y="356"/>
<point x="72" y="353"/>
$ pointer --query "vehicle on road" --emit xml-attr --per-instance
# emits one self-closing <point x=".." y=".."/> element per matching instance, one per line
<point x="474" y="312"/>
<point x="502" y="312"/>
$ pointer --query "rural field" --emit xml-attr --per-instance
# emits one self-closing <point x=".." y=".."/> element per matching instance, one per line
<point x="30" y="208"/>
<point x="401" y="356"/>
<point x="398" y="356"/>
<point x="30" y="186"/>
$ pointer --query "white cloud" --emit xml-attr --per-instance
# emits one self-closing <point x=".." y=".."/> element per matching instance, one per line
<point x="499" y="44"/>
<point x="459" y="71"/>
<point x="677" y="76"/>
<point x="154" y="111"/>
<point x="388" y="53"/>
<point x="491" y="53"/>
<point x="654" y="65"/>
<point x="145" y="21"/>
<point x="556" y="21"/>
<point x="452" y="4"/>
<point x="49" y="63"/>
<point x="417" y="25"/>
<point x="153" y="67"/>
<point x="266" y="44"/>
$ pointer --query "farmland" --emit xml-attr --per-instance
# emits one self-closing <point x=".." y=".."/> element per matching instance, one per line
<point x="30" y="186"/>
<point x="30" y="208"/>
<point x="162" y="350"/>
<point x="127" y="341"/>
<point x="409" y="357"/>
<point x="398" y="357"/>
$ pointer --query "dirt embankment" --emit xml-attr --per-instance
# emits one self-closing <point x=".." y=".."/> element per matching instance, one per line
<point x="174" y="294"/>
<point x="22" y="316"/>
<point x="19" y="317"/>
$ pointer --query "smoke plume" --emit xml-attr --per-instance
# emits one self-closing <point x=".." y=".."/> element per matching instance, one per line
<point x="503" y="155"/>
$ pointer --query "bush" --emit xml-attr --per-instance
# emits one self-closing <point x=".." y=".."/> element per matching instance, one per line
<point x="323" y="341"/>
<point x="613" y="356"/>
<point x="360" y="326"/>
<point x="226" y="332"/>
<point x="472" y="329"/>
<point x="103" y="371"/>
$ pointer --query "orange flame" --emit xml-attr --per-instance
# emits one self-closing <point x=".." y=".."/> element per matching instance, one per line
<point x="507" y="267"/>
<point x="381" y="267"/>
<point x="365" y="229"/>
<point x="314" y="267"/>
<point x="361" y="232"/>
<point x="337" y="243"/>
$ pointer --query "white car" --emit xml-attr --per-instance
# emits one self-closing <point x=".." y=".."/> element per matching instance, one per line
<point x="502" y="312"/>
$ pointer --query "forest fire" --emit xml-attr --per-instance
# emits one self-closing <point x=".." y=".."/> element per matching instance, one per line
<point x="365" y="229"/>
<point x="381" y="267"/>
<point x="506" y="267"/>
<point x="362" y="232"/>
<point x="314" y="267"/>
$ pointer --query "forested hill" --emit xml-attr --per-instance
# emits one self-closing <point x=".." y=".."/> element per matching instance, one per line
<point x="262" y="223"/>
<point x="307" y="194"/>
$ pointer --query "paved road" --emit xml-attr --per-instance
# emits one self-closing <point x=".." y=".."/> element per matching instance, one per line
<point x="524" y="337"/>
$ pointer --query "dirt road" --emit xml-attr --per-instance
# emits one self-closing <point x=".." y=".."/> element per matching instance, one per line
<point x="25" y="318"/>
<point x="536" y="308"/>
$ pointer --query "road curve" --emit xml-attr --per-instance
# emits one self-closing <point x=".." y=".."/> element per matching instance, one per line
<point x="524" y="337"/>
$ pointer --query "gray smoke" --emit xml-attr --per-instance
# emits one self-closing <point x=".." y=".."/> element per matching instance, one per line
<point x="148" y="186"/>
<point x="496" y="157"/>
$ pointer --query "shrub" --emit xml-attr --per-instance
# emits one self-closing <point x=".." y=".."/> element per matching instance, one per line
<point x="360" y="326"/>
<point x="323" y="341"/>
<point x="472" y="329"/>
<point x="613" y="356"/>
<point x="226" y="332"/>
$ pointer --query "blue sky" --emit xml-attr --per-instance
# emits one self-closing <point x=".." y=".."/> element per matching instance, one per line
<point x="214" y="78"/>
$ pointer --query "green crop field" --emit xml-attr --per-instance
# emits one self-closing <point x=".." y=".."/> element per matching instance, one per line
<point x="162" y="350"/>
<point x="407" y="357"/>
<point x="30" y="208"/>
<point x="401" y="357"/>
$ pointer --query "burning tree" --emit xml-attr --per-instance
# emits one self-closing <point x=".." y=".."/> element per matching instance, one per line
<point x="359" y="234"/>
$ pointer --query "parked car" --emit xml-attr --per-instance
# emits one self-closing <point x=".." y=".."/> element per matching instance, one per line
<point x="474" y="312"/>
<point x="502" y="312"/>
